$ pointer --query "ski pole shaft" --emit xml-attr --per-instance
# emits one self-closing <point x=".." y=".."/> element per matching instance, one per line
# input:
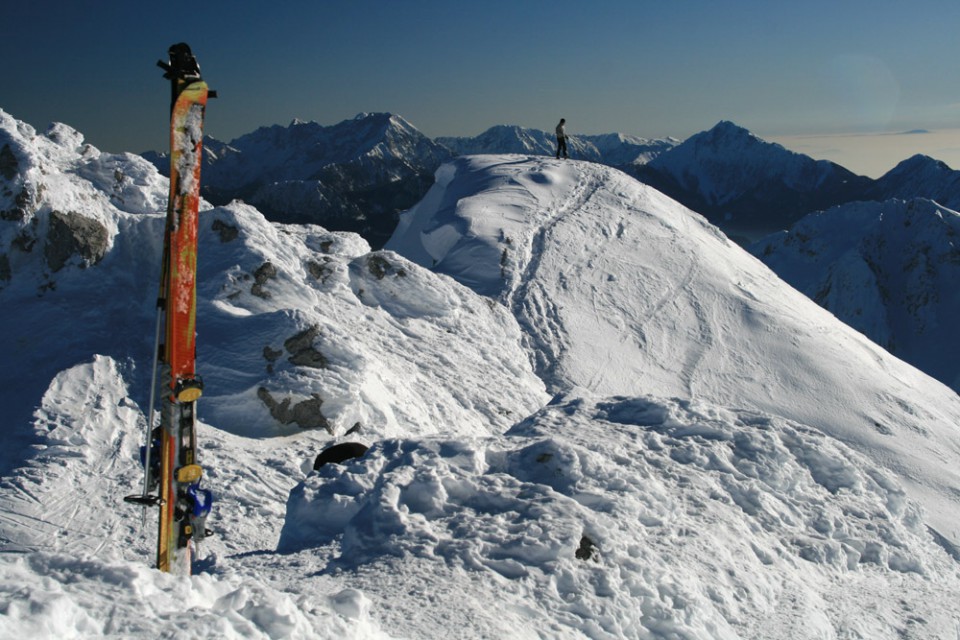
<point x="153" y="394"/>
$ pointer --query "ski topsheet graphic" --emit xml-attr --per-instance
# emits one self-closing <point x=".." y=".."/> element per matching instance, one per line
<point x="170" y="455"/>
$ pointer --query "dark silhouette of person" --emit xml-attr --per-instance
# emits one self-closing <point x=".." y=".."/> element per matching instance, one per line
<point x="561" y="139"/>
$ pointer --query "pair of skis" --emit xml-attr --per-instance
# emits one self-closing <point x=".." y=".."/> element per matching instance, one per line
<point x="170" y="455"/>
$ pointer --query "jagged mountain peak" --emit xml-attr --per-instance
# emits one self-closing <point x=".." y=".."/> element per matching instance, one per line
<point x="920" y="175"/>
<point x="503" y="138"/>
<point x="364" y="126"/>
<point x="729" y="142"/>
<point x="727" y="129"/>
<point x="747" y="185"/>
<point x="919" y="163"/>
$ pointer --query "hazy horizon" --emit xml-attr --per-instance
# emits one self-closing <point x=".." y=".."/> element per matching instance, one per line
<point x="783" y="71"/>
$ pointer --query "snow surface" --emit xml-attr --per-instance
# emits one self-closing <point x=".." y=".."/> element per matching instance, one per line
<point x="623" y="291"/>
<point x="720" y="457"/>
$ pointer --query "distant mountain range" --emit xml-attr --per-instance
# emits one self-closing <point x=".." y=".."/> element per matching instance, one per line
<point x="749" y="187"/>
<point x="358" y="175"/>
<point x="352" y="176"/>
<point x="614" y="149"/>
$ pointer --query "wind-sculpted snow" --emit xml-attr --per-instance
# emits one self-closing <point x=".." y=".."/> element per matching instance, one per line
<point x="57" y="171"/>
<point x="394" y="347"/>
<point x="625" y="517"/>
<point x="86" y="598"/>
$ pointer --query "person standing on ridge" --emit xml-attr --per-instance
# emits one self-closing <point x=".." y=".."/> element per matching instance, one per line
<point x="561" y="139"/>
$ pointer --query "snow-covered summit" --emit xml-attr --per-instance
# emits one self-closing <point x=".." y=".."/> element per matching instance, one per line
<point x="748" y="185"/>
<point x="622" y="291"/>
<point x="920" y="176"/>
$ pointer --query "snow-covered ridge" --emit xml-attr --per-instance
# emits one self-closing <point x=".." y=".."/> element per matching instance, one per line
<point x="747" y="185"/>
<point x="920" y="176"/>
<point x="726" y="144"/>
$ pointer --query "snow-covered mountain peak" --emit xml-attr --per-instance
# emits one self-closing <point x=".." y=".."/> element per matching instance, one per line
<point x="920" y="175"/>
<point x="920" y="162"/>
<point x="726" y="131"/>
<point x="728" y="145"/>
<point x="746" y="185"/>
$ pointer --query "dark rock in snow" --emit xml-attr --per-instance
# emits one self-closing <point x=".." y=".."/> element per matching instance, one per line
<point x="339" y="453"/>
<point x="306" y="414"/>
<point x="72" y="234"/>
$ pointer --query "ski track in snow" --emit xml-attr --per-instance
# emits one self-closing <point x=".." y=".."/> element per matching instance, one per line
<point x="527" y="299"/>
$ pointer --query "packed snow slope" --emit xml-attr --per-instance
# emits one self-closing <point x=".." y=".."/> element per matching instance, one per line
<point x="482" y="509"/>
<point x="622" y="291"/>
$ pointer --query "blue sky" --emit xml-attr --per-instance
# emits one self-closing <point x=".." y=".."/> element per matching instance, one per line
<point x="651" y="68"/>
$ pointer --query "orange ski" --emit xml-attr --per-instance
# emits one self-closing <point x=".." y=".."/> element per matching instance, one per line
<point x="184" y="506"/>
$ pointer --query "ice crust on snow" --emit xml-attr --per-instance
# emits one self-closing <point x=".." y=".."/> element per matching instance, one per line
<point x="721" y="458"/>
